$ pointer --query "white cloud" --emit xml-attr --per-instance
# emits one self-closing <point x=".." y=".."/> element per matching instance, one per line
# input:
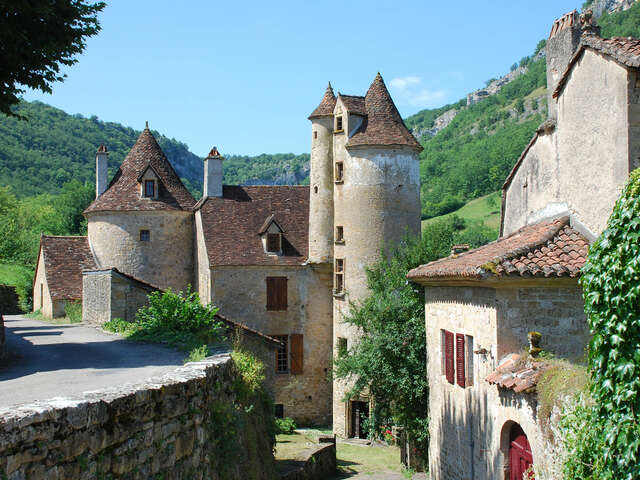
<point x="410" y="90"/>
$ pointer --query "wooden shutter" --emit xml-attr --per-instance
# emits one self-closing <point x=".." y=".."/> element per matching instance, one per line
<point x="277" y="293"/>
<point x="460" y="371"/>
<point x="297" y="353"/>
<point x="448" y="356"/>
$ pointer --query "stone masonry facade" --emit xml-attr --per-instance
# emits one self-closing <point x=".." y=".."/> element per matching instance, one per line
<point x="170" y="427"/>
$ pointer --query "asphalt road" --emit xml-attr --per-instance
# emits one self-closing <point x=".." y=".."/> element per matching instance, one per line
<point x="51" y="360"/>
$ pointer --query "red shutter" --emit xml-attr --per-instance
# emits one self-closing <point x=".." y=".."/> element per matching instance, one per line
<point x="460" y="372"/>
<point x="297" y="353"/>
<point x="448" y="356"/>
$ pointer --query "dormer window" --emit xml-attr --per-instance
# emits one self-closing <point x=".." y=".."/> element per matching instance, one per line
<point x="274" y="242"/>
<point x="149" y="188"/>
<point x="339" y="124"/>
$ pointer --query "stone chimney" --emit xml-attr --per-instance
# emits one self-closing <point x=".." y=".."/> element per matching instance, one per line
<point x="102" y="161"/>
<point x="562" y="43"/>
<point x="213" y="174"/>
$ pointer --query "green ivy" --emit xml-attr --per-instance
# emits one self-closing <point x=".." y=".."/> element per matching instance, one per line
<point x="609" y="447"/>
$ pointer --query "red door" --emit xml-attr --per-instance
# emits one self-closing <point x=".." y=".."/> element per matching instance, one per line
<point x="520" y="457"/>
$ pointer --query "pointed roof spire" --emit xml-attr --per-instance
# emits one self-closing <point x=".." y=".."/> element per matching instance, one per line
<point x="327" y="104"/>
<point x="214" y="153"/>
<point x="384" y="125"/>
<point x="123" y="193"/>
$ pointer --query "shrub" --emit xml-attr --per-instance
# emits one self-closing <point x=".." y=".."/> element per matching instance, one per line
<point x="285" y="425"/>
<point x="73" y="311"/>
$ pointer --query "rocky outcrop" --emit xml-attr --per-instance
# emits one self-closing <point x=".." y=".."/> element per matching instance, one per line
<point x="610" y="6"/>
<point x="192" y="423"/>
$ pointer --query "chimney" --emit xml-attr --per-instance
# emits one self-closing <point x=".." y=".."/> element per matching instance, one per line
<point x="213" y="174"/>
<point x="458" y="249"/>
<point x="562" y="43"/>
<point x="102" y="161"/>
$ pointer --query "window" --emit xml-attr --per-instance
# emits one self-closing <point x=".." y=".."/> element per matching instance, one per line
<point x="447" y="355"/>
<point x="149" y="188"/>
<point x="315" y="134"/>
<point x="338" y="285"/>
<point x="315" y="189"/>
<point x="279" y="410"/>
<point x="276" y="293"/>
<point x="273" y="242"/>
<point x="468" y="346"/>
<point x="339" y="172"/>
<point x="282" y="354"/>
<point x="342" y="346"/>
<point x="338" y="124"/>
<point x="145" y="235"/>
<point x="460" y="354"/>
<point x="339" y="234"/>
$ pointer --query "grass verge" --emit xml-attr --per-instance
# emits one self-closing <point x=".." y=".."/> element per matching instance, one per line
<point x="484" y="209"/>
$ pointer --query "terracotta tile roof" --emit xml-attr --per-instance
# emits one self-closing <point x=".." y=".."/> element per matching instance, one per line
<point x="248" y="330"/>
<point x="123" y="193"/>
<point x="518" y="375"/>
<point x="231" y="224"/>
<point x="353" y="103"/>
<point x="327" y="104"/>
<point x="624" y="50"/>
<point x="383" y="124"/>
<point x="64" y="260"/>
<point x="550" y="248"/>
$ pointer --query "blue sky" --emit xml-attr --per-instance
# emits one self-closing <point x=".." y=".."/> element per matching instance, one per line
<point x="245" y="75"/>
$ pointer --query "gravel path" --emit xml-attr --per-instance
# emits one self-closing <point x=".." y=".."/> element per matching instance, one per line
<point x="50" y="360"/>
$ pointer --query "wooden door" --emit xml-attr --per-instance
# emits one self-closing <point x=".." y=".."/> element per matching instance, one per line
<point x="520" y="456"/>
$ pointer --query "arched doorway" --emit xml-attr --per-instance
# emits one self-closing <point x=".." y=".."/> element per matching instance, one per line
<point x="520" y="456"/>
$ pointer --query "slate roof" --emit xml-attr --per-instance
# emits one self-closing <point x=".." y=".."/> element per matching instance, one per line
<point x="354" y="104"/>
<point x="550" y="248"/>
<point x="123" y="193"/>
<point x="231" y="224"/>
<point x="518" y="375"/>
<point x="326" y="106"/>
<point x="383" y="124"/>
<point x="625" y="50"/>
<point x="64" y="260"/>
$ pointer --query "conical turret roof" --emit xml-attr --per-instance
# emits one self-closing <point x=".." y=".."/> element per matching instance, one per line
<point x="327" y="104"/>
<point x="383" y="124"/>
<point x="124" y="191"/>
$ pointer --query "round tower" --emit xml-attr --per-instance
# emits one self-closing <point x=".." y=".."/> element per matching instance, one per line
<point x="377" y="203"/>
<point x="142" y="224"/>
<point x="321" y="181"/>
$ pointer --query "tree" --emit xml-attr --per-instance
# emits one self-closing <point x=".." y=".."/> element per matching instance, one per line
<point x="389" y="359"/>
<point x="36" y="38"/>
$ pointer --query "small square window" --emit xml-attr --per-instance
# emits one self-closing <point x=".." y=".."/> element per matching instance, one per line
<point x="145" y="235"/>
<point x="338" y="124"/>
<point x="342" y="346"/>
<point x="339" y="172"/>
<point x="315" y="134"/>
<point x="273" y="242"/>
<point x="149" y="188"/>
<point x="339" y="234"/>
<point x="279" y="410"/>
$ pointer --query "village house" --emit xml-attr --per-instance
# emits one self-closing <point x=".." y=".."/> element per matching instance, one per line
<point x="282" y="260"/>
<point x="482" y="305"/>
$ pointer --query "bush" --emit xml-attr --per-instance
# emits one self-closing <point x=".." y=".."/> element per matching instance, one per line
<point x="285" y="425"/>
<point x="178" y="319"/>
<point x="73" y="311"/>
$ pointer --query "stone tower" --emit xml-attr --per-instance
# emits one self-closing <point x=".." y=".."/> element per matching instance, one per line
<point x="142" y="224"/>
<point x="375" y="181"/>
<point x="321" y="181"/>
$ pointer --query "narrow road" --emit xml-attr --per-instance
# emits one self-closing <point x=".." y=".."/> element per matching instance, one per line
<point x="49" y="360"/>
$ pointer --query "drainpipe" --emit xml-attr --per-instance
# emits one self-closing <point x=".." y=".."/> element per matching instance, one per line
<point x="471" y="442"/>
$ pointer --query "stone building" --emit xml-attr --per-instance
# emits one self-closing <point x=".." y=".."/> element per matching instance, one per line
<point x="282" y="260"/>
<point x="482" y="304"/>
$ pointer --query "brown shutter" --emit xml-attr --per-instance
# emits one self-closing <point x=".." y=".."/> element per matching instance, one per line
<point x="271" y="293"/>
<point x="460" y="372"/>
<point x="282" y="293"/>
<point x="297" y="353"/>
<point x="448" y="356"/>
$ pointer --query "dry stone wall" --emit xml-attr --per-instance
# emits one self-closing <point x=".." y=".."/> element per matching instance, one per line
<point x="190" y="423"/>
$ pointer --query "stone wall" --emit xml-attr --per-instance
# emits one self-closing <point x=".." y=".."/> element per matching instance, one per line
<point x="241" y="294"/>
<point x="469" y="427"/>
<point x="315" y="463"/>
<point x="108" y="294"/>
<point x="9" y="300"/>
<point x="187" y="424"/>
<point x="166" y="260"/>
